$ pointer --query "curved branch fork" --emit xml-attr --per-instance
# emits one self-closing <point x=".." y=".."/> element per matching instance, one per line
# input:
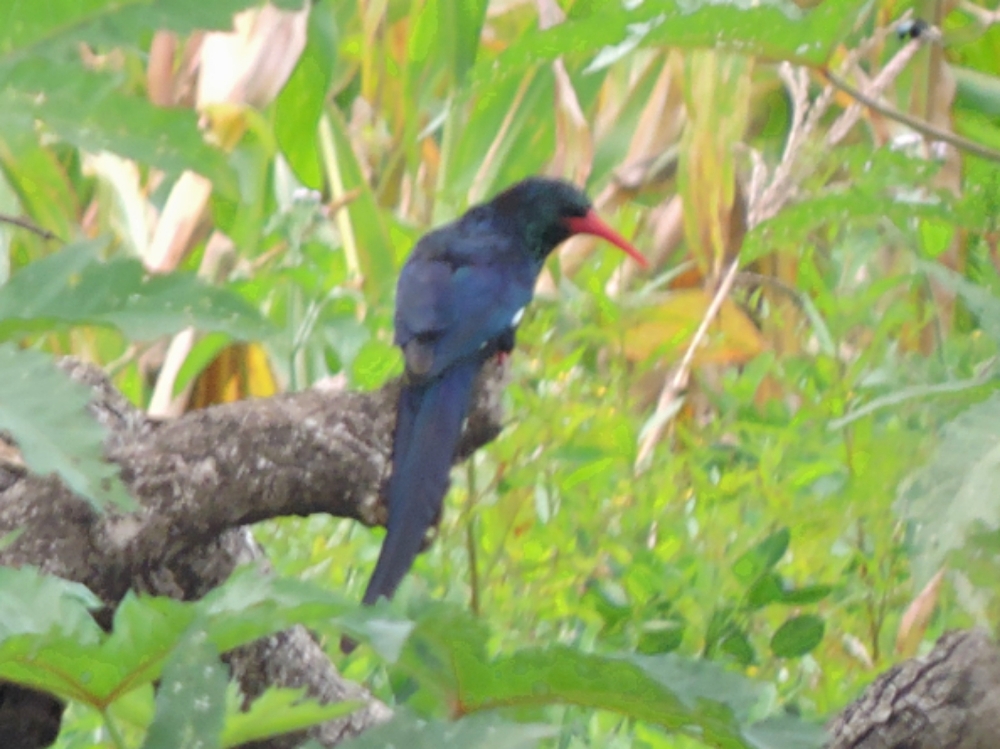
<point x="199" y="479"/>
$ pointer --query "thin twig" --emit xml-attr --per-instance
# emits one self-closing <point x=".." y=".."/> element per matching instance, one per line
<point x="23" y="223"/>
<point x="921" y="126"/>
<point x="985" y="17"/>
<point x="679" y="381"/>
<point x="889" y="73"/>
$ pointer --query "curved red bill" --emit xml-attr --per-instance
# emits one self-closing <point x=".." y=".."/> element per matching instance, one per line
<point x="592" y="224"/>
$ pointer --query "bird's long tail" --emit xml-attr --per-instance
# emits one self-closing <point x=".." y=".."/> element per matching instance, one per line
<point x="428" y="425"/>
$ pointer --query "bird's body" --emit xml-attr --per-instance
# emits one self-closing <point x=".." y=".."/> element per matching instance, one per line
<point x="459" y="299"/>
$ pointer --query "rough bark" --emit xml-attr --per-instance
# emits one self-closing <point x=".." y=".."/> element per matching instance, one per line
<point x="199" y="480"/>
<point x="948" y="699"/>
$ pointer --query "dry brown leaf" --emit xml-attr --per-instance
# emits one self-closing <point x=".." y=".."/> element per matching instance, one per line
<point x="913" y="624"/>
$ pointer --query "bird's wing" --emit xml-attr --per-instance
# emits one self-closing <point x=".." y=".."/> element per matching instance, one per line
<point x="451" y="304"/>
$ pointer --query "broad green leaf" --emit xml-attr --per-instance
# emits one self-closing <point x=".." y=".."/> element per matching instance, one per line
<point x="145" y="631"/>
<point x="687" y="696"/>
<point x="953" y="497"/>
<point x="772" y="588"/>
<point x="736" y="644"/>
<point x="191" y="700"/>
<point x="22" y="24"/>
<point x="87" y="110"/>
<point x="751" y="565"/>
<point x="300" y="104"/>
<point x="806" y="594"/>
<point x="73" y="287"/>
<point x="37" y="604"/>
<point x="774" y="30"/>
<point x="95" y="668"/>
<point x="797" y="636"/>
<point x="280" y="711"/>
<point x="446" y="654"/>
<point x="977" y="90"/>
<point x="765" y="590"/>
<point x="63" y="22"/>
<point x="368" y="222"/>
<point x="486" y="730"/>
<point x="46" y="414"/>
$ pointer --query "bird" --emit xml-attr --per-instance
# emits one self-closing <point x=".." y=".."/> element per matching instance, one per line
<point x="460" y="297"/>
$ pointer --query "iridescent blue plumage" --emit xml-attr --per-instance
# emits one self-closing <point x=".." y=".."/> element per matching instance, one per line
<point x="458" y="302"/>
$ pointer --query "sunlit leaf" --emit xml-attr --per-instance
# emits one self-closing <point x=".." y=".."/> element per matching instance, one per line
<point x="667" y="328"/>
<point x="279" y="711"/>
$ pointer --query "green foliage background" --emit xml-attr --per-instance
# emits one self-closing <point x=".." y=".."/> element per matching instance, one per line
<point x="743" y="585"/>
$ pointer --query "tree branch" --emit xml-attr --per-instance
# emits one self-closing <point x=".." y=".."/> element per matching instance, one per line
<point x="948" y="698"/>
<point x="200" y="479"/>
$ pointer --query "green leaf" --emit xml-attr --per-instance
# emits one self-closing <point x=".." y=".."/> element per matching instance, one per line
<point x="765" y="590"/>
<point x="797" y="636"/>
<point x="251" y="605"/>
<point x="86" y="110"/>
<point x="446" y="33"/>
<point x="805" y="595"/>
<point x="73" y="287"/>
<point x="300" y="104"/>
<point x="93" y="668"/>
<point x="368" y="222"/>
<point x="376" y="362"/>
<point x="46" y="414"/>
<point x="40" y="182"/>
<point x="978" y="298"/>
<point x="660" y="636"/>
<point x="487" y="730"/>
<point x="954" y="495"/>
<point x="977" y="90"/>
<point x="191" y="700"/>
<point x="37" y="604"/>
<point x="23" y="24"/>
<point x="772" y="588"/>
<point x="279" y="711"/>
<point x="446" y="654"/>
<point x="776" y="31"/>
<point x="736" y="644"/>
<point x="63" y="22"/>
<point x="751" y="565"/>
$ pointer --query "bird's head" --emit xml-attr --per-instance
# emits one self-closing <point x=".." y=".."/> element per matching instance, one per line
<point x="550" y="211"/>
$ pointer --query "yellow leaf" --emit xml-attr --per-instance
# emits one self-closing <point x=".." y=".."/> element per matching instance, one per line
<point x="666" y="330"/>
<point x="239" y="371"/>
